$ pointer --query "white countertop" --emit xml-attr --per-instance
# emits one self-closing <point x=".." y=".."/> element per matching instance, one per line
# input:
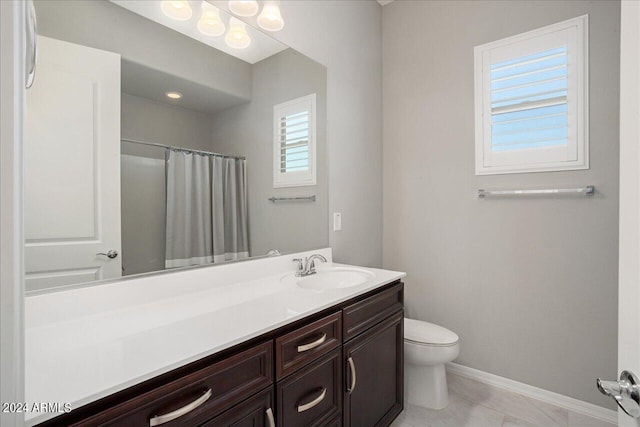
<point x="87" y="343"/>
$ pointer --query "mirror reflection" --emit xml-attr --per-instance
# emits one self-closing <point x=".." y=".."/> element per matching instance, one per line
<point x="154" y="143"/>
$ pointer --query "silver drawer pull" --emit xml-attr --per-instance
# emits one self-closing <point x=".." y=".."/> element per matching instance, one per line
<point x="352" y="368"/>
<point x="312" y="345"/>
<point x="162" y="419"/>
<point x="270" y="420"/>
<point x="306" y="406"/>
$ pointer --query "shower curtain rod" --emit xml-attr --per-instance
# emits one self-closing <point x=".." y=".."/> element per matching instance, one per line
<point x="187" y="150"/>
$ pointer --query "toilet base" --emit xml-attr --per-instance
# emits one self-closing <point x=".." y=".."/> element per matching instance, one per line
<point x="426" y="386"/>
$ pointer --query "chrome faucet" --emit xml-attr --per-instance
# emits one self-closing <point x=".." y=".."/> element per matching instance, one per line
<point x="307" y="266"/>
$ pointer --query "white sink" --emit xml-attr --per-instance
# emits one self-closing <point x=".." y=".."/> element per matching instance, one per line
<point x="331" y="278"/>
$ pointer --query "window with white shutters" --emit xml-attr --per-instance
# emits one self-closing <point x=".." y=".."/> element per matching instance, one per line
<point x="294" y="142"/>
<point x="532" y="99"/>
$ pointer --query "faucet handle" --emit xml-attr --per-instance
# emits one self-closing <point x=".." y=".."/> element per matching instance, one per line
<point x="300" y="266"/>
<point x="312" y="266"/>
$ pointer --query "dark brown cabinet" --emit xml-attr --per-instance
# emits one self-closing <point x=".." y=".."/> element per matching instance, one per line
<point x="312" y="396"/>
<point x="254" y="412"/>
<point x="301" y="346"/>
<point x="340" y="367"/>
<point x="205" y="393"/>
<point x="374" y="375"/>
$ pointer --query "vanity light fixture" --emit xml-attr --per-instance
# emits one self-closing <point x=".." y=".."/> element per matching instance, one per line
<point x="270" y="18"/>
<point x="173" y="95"/>
<point x="244" y="7"/>
<point x="237" y="36"/>
<point x="180" y="10"/>
<point x="210" y="23"/>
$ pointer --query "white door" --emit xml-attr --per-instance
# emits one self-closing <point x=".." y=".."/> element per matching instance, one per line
<point x="629" y="282"/>
<point x="72" y="166"/>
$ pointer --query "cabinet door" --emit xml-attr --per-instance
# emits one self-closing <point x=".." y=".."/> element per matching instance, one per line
<point x="254" y="412"/>
<point x="374" y="375"/>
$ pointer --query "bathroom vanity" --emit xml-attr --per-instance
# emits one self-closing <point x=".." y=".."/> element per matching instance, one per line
<point x="281" y="354"/>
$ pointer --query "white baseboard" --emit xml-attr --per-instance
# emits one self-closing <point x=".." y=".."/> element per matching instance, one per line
<point x="566" y="402"/>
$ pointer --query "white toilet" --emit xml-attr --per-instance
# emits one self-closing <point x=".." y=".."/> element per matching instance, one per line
<point x="427" y="347"/>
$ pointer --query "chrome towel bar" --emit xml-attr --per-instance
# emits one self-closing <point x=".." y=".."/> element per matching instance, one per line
<point x="587" y="191"/>
<point x="292" y="199"/>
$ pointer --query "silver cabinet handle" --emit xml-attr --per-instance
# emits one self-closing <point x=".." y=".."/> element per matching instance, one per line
<point x="162" y="419"/>
<point x="270" y="420"/>
<point x="306" y="406"/>
<point x="352" y="368"/>
<point x="306" y="347"/>
<point x="32" y="45"/>
<point x="110" y="254"/>
<point x="625" y="392"/>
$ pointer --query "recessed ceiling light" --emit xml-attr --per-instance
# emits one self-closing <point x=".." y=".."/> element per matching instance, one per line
<point x="174" y="95"/>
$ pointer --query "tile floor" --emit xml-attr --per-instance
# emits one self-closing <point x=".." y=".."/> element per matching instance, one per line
<point x="473" y="404"/>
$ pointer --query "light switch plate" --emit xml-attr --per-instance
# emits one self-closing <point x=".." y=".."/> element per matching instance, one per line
<point x="337" y="221"/>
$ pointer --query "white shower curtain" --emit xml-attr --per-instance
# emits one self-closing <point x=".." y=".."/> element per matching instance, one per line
<point x="206" y="209"/>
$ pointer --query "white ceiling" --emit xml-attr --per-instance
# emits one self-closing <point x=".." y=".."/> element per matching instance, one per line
<point x="262" y="46"/>
<point x="384" y="2"/>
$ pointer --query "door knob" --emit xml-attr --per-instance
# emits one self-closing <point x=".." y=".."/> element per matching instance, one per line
<point x="625" y="392"/>
<point x="110" y="254"/>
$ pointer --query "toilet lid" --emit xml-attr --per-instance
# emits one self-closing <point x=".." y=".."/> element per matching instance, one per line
<point x="428" y="333"/>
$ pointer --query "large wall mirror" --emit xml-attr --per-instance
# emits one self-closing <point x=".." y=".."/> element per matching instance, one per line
<point x="153" y="143"/>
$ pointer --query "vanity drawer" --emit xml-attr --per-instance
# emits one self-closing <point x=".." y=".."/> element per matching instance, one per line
<point x="302" y="346"/>
<point x="254" y="412"/>
<point x="312" y="397"/>
<point x="208" y="392"/>
<point x="364" y="314"/>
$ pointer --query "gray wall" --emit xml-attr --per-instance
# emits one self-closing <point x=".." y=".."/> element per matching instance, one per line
<point x="146" y="120"/>
<point x="144" y="218"/>
<point x="345" y="36"/>
<point x="247" y="130"/>
<point x="529" y="285"/>
<point x="142" y="174"/>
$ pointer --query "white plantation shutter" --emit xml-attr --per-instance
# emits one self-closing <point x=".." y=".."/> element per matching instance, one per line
<point x="531" y="111"/>
<point x="529" y="101"/>
<point x="294" y="142"/>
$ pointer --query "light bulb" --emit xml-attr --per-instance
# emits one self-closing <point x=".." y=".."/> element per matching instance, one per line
<point x="177" y="9"/>
<point x="244" y="7"/>
<point x="173" y="95"/>
<point x="210" y="23"/>
<point x="270" y="18"/>
<point x="237" y="36"/>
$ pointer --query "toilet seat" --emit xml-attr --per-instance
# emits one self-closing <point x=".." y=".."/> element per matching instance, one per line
<point x="428" y="334"/>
